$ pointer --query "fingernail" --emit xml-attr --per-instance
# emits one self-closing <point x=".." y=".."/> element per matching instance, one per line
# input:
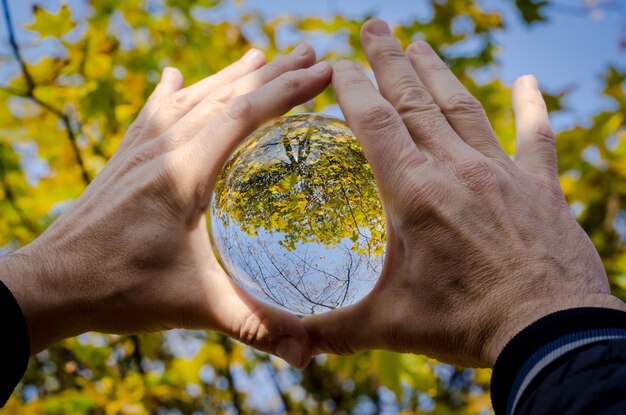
<point x="378" y="28"/>
<point x="251" y="55"/>
<point x="320" y="67"/>
<point x="289" y="350"/>
<point x="302" y="49"/>
<point x="420" y="48"/>
<point x="530" y="82"/>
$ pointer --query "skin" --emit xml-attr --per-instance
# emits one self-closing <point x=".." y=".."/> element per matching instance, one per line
<point x="132" y="254"/>
<point x="479" y="245"/>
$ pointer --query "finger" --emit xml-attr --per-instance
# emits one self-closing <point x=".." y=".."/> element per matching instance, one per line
<point x="385" y="139"/>
<point x="259" y="325"/>
<point x="182" y="101"/>
<point x="171" y="81"/>
<point x="243" y="115"/>
<point x="535" y="141"/>
<point x="401" y="86"/>
<point x="464" y="112"/>
<point x="302" y="56"/>
<point x="186" y="127"/>
<point x="249" y="62"/>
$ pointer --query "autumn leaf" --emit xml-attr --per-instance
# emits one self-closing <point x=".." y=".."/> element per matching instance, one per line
<point x="51" y="24"/>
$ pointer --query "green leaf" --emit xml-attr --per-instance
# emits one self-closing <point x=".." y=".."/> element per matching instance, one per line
<point x="531" y="10"/>
<point x="388" y="366"/>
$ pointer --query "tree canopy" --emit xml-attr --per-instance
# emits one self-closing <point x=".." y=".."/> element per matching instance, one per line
<point x="63" y="114"/>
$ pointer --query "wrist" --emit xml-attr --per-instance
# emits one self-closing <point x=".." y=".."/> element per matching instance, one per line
<point x="527" y="313"/>
<point x="36" y="281"/>
<point x="545" y="341"/>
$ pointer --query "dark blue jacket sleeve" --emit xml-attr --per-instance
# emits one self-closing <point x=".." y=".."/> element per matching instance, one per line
<point x="569" y="362"/>
<point x="14" y="344"/>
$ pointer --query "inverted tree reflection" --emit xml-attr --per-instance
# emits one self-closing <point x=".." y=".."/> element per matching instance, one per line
<point x="296" y="217"/>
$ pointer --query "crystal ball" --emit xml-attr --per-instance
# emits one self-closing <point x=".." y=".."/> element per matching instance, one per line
<point x="295" y="218"/>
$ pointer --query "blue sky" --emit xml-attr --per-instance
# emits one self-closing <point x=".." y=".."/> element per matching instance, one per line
<point x="571" y="50"/>
<point x="568" y="51"/>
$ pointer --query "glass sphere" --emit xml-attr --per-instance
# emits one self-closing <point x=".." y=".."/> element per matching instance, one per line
<point x="295" y="218"/>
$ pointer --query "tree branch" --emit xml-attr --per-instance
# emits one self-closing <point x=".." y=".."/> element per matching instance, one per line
<point x="10" y="197"/>
<point x="16" y="50"/>
<point x="137" y="355"/>
<point x="30" y="93"/>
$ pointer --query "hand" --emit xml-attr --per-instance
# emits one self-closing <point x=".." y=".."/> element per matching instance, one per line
<point x="478" y="245"/>
<point x="133" y="254"/>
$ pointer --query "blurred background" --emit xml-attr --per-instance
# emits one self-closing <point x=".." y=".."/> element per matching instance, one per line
<point x="74" y="74"/>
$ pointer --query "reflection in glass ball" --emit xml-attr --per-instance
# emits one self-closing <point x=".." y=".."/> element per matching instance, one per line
<point x="296" y="219"/>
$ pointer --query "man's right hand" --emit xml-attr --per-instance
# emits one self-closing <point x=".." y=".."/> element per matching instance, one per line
<point x="132" y="254"/>
<point x="479" y="246"/>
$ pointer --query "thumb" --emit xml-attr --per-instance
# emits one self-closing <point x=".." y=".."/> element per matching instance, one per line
<point x="345" y="330"/>
<point x="244" y="318"/>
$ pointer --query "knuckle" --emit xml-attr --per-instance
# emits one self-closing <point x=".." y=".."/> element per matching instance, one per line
<point x="545" y="135"/>
<point x="179" y="100"/>
<point x="220" y="97"/>
<point x="379" y="117"/>
<point x="435" y="66"/>
<point x="278" y="65"/>
<point x="307" y="54"/>
<point x="477" y="175"/>
<point x="141" y="155"/>
<point x="353" y="82"/>
<point x="240" y="109"/>
<point x="414" y="98"/>
<point x="290" y="81"/>
<point x="426" y="125"/>
<point x="170" y="140"/>
<point x="136" y="126"/>
<point x="390" y="55"/>
<point x="462" y="103"/>
<point x="253" y="331"/>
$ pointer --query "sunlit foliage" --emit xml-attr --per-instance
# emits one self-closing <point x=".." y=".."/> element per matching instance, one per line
<point x="62" y="116"/>
<point x="296" y="217"/>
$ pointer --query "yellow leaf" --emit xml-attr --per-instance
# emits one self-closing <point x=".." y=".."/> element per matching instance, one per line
<point x="49" y="24"/>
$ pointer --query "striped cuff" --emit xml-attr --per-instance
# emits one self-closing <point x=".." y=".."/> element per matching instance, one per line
<point x="544" y="341"/>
